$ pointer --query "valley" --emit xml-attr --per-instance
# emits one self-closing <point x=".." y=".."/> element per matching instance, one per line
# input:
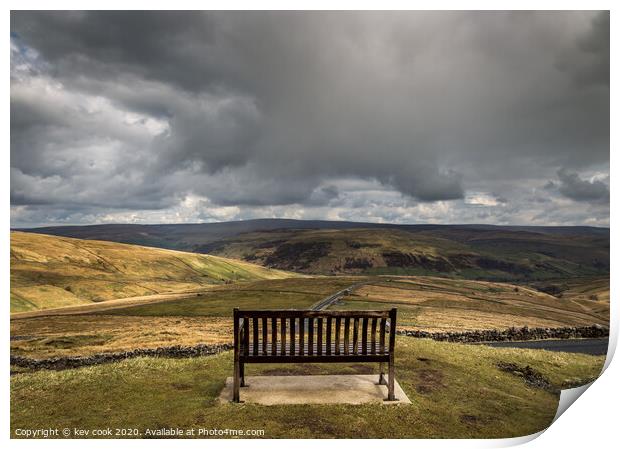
<point x="484" y="252"/>
<point x="81" y="298"/>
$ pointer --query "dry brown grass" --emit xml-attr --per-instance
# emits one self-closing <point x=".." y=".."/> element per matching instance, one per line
<point x="588" y="289"/>
<point x="439" y="304"/>
<point x="59" y="336"/>
<point x="112" y="304"/>
<point x="394" y="295"/>
<point x="434" y="320"/>
<point x="49" y="271"/>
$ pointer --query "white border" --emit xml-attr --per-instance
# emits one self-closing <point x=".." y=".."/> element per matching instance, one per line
<point x="590" y="422"/>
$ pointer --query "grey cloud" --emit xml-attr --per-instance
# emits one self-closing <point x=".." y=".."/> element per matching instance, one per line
<point x="429" y="184"/>
<point x="573" y="187"/>
<point x="589" y="62"/>
<point x="261" y="109"/>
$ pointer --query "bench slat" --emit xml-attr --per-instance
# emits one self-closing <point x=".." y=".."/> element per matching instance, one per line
<point x="264" y="328"/>
<point x="282" y="335"/>
<point x="373" y="336"/>
<point x="246" y="336"/>
<point x="302" y="326"/>
<point x="255" y="336"/>
<point x="382" y="335"/>
<point x="364" y="335"/>
<point x="328" y="336"/>
<point x="292" y="328"/>
<point x="319" y="336"/>
<point x="356" y="325"/>
<point x="338" y="324"/>
<point x="315" y="352"/>
<point x="347" y="321"/>
<point x="317" y="358"/>
<point x="274" y="335"/>
<point x="310" y="336"/>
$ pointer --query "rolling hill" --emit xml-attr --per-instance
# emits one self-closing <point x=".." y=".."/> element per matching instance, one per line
<point x="491" y="255"/>
<point x="48" y="271"/>
<point x="511" y="253"/>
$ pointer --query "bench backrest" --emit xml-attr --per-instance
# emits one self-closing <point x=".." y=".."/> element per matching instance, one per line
<point x="320" y="333"/>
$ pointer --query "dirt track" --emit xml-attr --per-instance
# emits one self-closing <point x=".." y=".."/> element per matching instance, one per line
<point x="105" y="305"/>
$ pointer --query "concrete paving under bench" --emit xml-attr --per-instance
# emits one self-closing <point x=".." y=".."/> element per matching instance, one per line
<point x="320" y="389"/>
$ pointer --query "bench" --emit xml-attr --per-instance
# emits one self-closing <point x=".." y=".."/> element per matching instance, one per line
<point x="305" y="336"/>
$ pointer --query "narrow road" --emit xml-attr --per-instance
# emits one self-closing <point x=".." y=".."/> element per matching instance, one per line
<point x="102" y="306"/>
<point x="592" y="346"/>
<point x="329" y="300"/>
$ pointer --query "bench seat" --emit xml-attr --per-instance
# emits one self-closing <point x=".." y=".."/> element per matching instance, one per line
<point x="257" y="351"/>
<point x="299" y="336"/>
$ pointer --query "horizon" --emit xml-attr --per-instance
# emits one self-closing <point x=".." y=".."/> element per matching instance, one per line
<point x="308" y="220"/>
<point x="495" y="117"/>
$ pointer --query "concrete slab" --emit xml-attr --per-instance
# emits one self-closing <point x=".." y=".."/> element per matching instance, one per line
<point x="320" y="389"/>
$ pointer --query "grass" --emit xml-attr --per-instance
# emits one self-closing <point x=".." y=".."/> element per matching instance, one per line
<point x="192" y="319"/>
<point x="439" y="304"/>
<point x="457" y="392"/>
<point x="279" y="294"/>
<point x="500" y="254"/>
<point x="424" y="303"/>
<point x="596" y="289"/>
<point x="49" y="272"/>
<point x="71" y="335"/>
<point x="173" y="298"/>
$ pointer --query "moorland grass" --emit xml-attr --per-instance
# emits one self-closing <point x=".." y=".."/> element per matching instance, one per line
<point x="439" y="304"/>
<point x="49" y="271"/>
<point x="456" y="390"/>
<point x="270" y="294"/>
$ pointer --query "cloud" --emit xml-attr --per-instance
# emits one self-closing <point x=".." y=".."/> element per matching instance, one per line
<point x="124" y="112"/>
<point x="575" y="188"/>
<point x="589" y="63"/>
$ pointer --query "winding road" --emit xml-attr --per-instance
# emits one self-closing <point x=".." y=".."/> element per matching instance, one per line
<point x="329" y="300"/>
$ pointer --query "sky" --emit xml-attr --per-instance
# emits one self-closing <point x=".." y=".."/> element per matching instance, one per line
<point x="401" y="117"/>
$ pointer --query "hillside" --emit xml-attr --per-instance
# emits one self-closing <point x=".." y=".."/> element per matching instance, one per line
<point x="512" y="253"/>
<point x="438" y="304"/>
<point x="492" y="255"/>
<point x="48" y="271"/>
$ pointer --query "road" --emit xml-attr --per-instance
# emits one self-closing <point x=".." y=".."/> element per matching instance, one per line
<point x="110" y="304"/>
<point x="329" y="300"/>
<point x="593" y="346"/>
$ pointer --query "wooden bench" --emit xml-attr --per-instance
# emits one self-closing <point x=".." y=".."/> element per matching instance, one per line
<point x="305" y="336"/>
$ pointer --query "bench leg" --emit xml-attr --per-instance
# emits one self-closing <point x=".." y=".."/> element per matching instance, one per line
<point x="236" y="382"/>
<point x="381" y="375"/>
<point x="242" y="370"/>
<point x="391" y="396"/>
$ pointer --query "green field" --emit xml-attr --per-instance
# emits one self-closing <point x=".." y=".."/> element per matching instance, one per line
<point x="457" y="392"/>
<point x="271" y="294"/>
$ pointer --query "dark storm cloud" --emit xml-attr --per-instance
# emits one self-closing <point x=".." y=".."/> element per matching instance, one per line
<point x="572" y="186"/>
<point x="141" y="109"/>
<point x="590" y="65"/>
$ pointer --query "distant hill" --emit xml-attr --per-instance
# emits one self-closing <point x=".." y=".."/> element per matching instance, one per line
<point x="49" y="271"/>
<point x="328" y="247"/>
<point x="493" y="254"/>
